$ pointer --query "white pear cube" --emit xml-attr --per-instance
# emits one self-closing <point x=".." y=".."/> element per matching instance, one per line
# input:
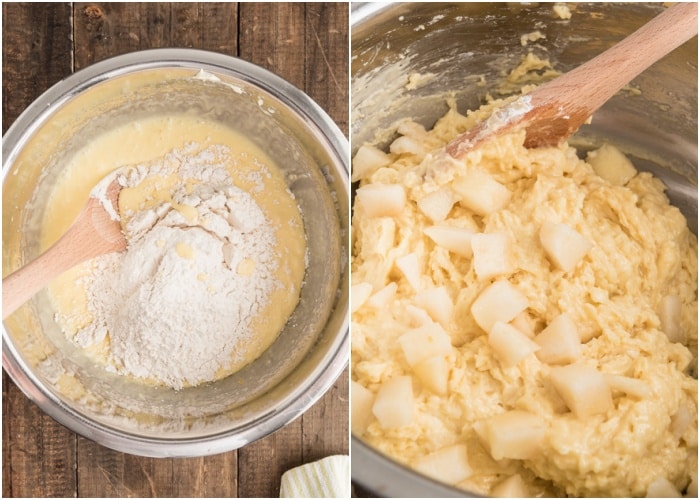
<point x="559" y="342"/>
<point x="500" y="301"/>
<point x="438" y="303"/>
<point x="670" y="316"/>
<point x="381" y="200"/>
<point x="383" y="298"/>
<point x="515" y="434"/>
<point x="367" y="160"/>
<point x="407" y="145"/>
<point x="662" y="488"/>
<point x="449" y="464"/>
<point x="361" y="401"/>
<point x="410" y="267"/>
<point x="437" y="204"/>
<point x="681" y="421"/>
<point x="480" y="192"/>
<point x="525" y="324"/>
<point x="417" y="316"/>
<point x="424" y="342"/>
<point x="454" y="239"/>
<point x="433" y="373"/>
<point x="393" y="405"/>
<point x="411" y="129"/>
<point x="359" y="293"/>
<point x="633" y="387"/>
<point x="510" y="344"/>
<point x="612" y="165"/>
<point x="513" y="487"/>
<point x="564" y="246"/>
<point x="583" y="388"/>
<point x="493" y="255"/>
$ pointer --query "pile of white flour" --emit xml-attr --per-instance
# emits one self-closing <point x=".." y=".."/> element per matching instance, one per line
<point x="180" y="301"/>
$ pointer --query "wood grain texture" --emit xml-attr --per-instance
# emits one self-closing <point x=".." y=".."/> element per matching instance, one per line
<point x="307" y="44"/>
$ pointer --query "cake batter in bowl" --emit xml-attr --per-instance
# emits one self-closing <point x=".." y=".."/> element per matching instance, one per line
<point x="223" y="119"/>
<point x="411" y="64"/>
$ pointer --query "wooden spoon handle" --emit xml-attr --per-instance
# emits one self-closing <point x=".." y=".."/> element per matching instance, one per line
<point x="575" y="95"/>
<point x="556" y="109"/>
<point x="89" y="236"/>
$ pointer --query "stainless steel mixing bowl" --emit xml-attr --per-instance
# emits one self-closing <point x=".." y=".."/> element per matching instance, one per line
<point x="470" y="48"/>
<point x="310" y="352"/>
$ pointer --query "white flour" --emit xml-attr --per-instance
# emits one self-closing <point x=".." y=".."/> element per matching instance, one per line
<point x="180" y="301"/>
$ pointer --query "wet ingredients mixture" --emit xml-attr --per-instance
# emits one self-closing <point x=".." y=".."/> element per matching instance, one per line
<point x="524" y="321"/>
<point x="214" y="262"/>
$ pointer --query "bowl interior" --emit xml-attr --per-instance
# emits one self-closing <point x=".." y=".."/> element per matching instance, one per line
<point x="408" y="59"/>
<point x="268" y="392"/>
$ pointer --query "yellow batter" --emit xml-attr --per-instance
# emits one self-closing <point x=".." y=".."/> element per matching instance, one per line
<point x="524" y="322"/>
<point x="149" y="140"/>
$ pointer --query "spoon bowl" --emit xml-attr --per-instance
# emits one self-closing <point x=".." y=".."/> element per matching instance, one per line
<point x="554" y="111"/>
<point x="96" y="231"/>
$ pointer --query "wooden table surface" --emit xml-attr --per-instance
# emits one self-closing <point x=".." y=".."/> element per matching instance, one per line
<point x="306" y="44"/>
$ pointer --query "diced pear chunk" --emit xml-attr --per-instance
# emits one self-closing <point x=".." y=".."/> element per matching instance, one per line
<point x="437" y="204"/>
<point x="515" y="434"/>
<point x="407" y="145"/>
<point x="524" y="323"/>
<point x="359" y="293"/>
<point x="633" y="387"/>
<point x="510" y="344"/>
<point x="393" y="406"/>
<point x="424" y="342"/>
<point x="383" y="297"/>
<point x="433" y="373"/>
<point x="361" y="401"/>
<point x="681" y="421"/>
<point x="449" y="464"/>
<point x="410" y="267"/>
<point x="493" y="255"/>
<point x="611" y="164"/>
<point x="417" y="316"/>
<point x="559" y="342"/>
<point x="367" y="160"/>
<point x="670" y="316"/>
<point x="564" y="246"/>
<point x="438" y="303"/>
<point x="381" y="200"/>
<point x="500" y="301"/>
<point x="480" y="192"/>
<point x="513" y="487"/>
<point x="662" y="488"/>
<point x="411" y="129"/>
<point x="455" y="239"/>
<point x="583" y="388"/>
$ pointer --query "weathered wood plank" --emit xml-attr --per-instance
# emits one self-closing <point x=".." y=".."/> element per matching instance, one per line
<point x="326" y="61"/>
<point x="263" y="462"/>
<point x="210" y="26"/>
<point x="214" y="477"/>
<point x="325" y="424"/>
<point x="273" y="36"/>
<point x="38" y="453"/>
<point x="36" y="53"/>
<point x="41" y="451"/>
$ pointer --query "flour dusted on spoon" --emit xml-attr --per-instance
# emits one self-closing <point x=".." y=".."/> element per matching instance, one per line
<point x="179" y="307"/>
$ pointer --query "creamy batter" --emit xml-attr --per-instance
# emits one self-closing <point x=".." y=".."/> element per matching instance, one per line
<point x="524" y="321"/>
<point x="229" y="179"/>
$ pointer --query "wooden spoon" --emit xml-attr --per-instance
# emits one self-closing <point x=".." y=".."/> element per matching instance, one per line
<point x="556" y="109"/>
<point x="95" y="232"/>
